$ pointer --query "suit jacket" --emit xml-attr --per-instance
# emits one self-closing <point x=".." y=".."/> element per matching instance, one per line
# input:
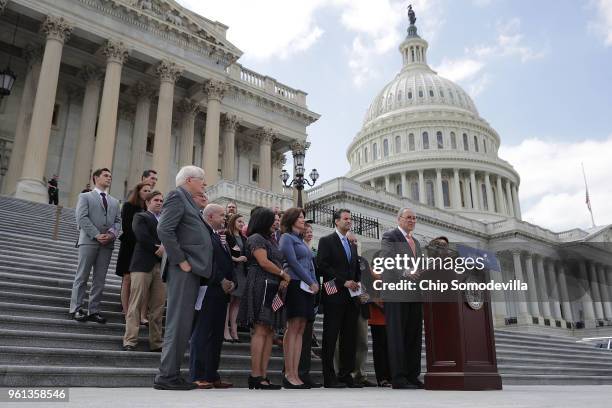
<point x="144" y="227"/>
<point x="222" y="265"/>
<point x="332" y="264"/>
<point x="92" y="219"/>
<point x="182" y="231"/>
<point x="394" y="243"/>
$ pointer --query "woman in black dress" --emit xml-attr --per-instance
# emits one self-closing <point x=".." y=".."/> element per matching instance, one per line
<point x="134" y="204"/>
<point x="236" y="242"/>
<point x="265" y="277"/>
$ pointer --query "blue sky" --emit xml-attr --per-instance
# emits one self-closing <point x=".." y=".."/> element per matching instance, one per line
<point x="539" y="72"/>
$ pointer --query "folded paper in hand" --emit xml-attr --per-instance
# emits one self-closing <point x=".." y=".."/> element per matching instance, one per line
<point x="200" y="299"/>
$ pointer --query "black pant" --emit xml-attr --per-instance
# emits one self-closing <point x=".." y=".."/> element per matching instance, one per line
<point x="207" y="337"/>
<point x="304" y="367"/>
<point x="53" y="198"/>
<point x="404" y="338"/>
<point x="339" y="319"/>
<point x="380" y="353"/>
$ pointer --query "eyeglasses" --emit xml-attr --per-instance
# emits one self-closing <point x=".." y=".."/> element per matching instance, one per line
<point x="409" y="218"/>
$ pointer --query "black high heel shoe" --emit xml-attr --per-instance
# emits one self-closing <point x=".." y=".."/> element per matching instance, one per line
<point x="287" y="384"/>
<point x="255" y="383"/>
<point x="269" y="385"/>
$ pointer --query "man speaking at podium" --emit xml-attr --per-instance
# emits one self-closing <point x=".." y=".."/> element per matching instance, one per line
<point x="404" y="318"/>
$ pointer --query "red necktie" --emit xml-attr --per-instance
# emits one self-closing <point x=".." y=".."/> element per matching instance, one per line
<point x="411" y="243"/>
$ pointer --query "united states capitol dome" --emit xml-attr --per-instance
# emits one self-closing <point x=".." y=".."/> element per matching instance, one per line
<point x="422" y="138"/>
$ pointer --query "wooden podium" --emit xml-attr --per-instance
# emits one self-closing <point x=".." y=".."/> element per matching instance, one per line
<point x="460" y="346"/>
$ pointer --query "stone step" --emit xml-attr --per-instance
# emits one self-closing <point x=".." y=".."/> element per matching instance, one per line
<point x="11" y="274"/>
<point x="40" y="269"/>
<point x="26" y="298"/>
<point x="52" y="291"/>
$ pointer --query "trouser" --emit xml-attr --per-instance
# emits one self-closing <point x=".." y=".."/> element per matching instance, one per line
<point x="340" y="319"/>
<point x="98" y="257"/>
<point x="361" y="350"/>
<point x="380" y="354"/>
<point x="141" y="284"/>
<point x="207" y="337"/>
<point x="404" y="340"/>
<point x="304" y="366"/>
<point x="182" y="291"/>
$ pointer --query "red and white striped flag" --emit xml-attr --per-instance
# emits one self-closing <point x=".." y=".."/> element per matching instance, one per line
<point x="277" y="303"/>
<point x="330" y="287"/>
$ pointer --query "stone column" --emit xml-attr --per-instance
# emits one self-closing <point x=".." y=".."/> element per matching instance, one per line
<point x="405" y="189"/>
<point x="515" y="200"/>
<point x="501" y="206"/>
<point x="422" y="197"/>
<point x="604" y="292"/>
<point x="554" y="291"/>
<point x="565" y="298"/>
<point x="33" y="56"/>
<point x="440" y="198"/>
<point x="278" y="161"/>
<point x="599" y="313"/>
<point x="587" y="300"/>
<point x="210" y="162"/>
<point x="523" y="312"/>
<point x="266" y="138"/>
<point x="168" y="72"/>
<point x="532" y="293"/>
<point x="372" y="183"/>
<point x="474" y="189"/>
<point x="456" y="202"/>
<point x="87" y="129"/>
<point x="116" y="54"/>
<point x="189" y="110"/>
<point x="230" y="125"/>
<point x="388" y="184"/>
<point x="30" y="185"/>
<point x="542" y="288"/>
<point x="510" y="204"/>
<point x="490" y="198"/>
<point x="143" y="93"/>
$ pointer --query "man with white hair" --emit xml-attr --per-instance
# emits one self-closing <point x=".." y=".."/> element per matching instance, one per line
<point x="207" y="336"/>
<point x="188" y="246"/>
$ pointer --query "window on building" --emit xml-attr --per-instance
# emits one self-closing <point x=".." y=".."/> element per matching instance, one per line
<point x="452" y="96"/>
<point x="255" y="173"/>
<point x="485" y="200"/>
<point x="494" y="191"/>
<point x="411" y="142"/>
<point x="429" y="187"/>
<point x="398" y="144"/>
<point x="445" y="193"/>
<point x="420" y="93"/>
<point x="193" y="155"/>
<point x="425" y="140"/>
<point x="441" y="93"/>
<point x="365" y="154"/>
<point x="462" y="193"/>
<point x="484" y="145"/>
<point x="453" y="140"/>
<point x="386" y="148"/>
<point x="440" y="140"/>
<point x="466" y="144"/>
<point x="399" y="95"/>
<point x="150" y="142"/>
<point x="431" y="93"/>
<point x="409" y="94"/>
<point x="359" y="158"/>
<point x="55" y="117"/>
<point x="414" y="191"/>
<point x="398" y="189"/>
<point x="374" y="151"/>
<point x="475" y="144"/>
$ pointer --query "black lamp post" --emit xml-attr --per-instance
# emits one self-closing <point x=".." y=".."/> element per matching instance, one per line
<point x="7" y="76"/>
<point x="299" y="181"/>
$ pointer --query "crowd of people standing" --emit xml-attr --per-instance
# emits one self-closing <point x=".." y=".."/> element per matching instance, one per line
<point x="215" y="272"/>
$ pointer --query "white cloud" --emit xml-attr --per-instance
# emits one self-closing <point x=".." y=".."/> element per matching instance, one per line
<point x="459" y="69"/>
<point x="552" y="186"/>
<point x="274" y="28"/>
<point x="602" y="25"/>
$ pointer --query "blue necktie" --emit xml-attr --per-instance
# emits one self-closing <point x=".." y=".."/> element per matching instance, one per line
<point x="347" y="248"/>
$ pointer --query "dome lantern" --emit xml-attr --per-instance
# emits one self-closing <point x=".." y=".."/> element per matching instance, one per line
<point x="413" y="48"/>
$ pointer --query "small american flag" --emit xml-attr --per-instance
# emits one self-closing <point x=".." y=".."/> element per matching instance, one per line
<point x="330" y="287"/>
<point x="277" y="303"/>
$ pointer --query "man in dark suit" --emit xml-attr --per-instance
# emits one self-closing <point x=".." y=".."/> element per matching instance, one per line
<point x="404" y="318"/>
<point x="337" y="261"/>
<point x="146" y="282"/>
<point x="207" y="336"/>
<point x="188" y="247"/>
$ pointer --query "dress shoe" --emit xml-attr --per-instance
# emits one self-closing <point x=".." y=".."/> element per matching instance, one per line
<point x="96" y="317"/>
<point x="129" y="347"/>
<point x="417" y="383"/>
<point x="310" y="382"/>
<point x="157" y="350"/>
<point x="385" y="383"/>
<point x="236" y="340"/>
<point x="222" y="384"/>
<point x="367" y="383"/>
<point x="79" y="316"/>
<point x="228" y="340"/>
<point x="350" y="383"/>
<point x="334" y="385"/>
<point x="203" y="385"/>
<point x="178" y="385"/>
<point x="404" y="386"/>
<point x="289" y="386"/>
<point x="269" y="385"/>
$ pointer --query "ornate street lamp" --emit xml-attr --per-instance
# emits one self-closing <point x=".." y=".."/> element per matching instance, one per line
<point x="299" y="181"/>
<point x="7" y="76"/>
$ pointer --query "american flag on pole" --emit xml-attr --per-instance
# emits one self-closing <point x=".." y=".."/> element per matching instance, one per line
<point x="587" y="199"/>
<point x="277" y="303"/>
<point x="330" y="287"/>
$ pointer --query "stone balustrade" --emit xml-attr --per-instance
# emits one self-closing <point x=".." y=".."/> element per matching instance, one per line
<point x="247" y="195"/>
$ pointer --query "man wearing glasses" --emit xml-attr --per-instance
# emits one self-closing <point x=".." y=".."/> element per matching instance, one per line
<point x="404" y="318"/>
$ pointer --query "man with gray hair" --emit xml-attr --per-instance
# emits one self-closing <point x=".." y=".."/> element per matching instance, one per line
<point x="188" y="245"/>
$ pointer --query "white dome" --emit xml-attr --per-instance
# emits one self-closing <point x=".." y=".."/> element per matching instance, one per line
<point x="418" y="87"/>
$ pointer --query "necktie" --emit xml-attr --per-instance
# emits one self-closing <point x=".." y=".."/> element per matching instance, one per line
<point x="104" y="202"/>
<point x="347" y="248"/>
<point x="411" y="243"/>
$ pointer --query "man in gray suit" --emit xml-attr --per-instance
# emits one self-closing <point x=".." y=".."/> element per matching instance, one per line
<point x="98" y="218"/>
<point x="189" y="251"/>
